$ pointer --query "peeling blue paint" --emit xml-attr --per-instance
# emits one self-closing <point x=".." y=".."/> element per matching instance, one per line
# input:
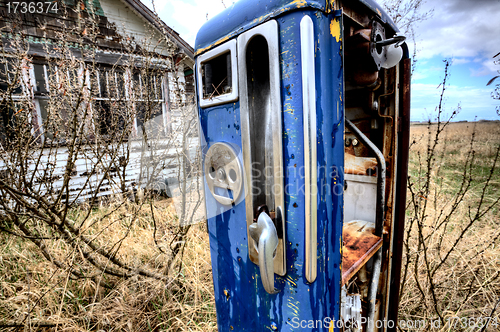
<point x="242" y="303"/>
<point x="246" y="14"/>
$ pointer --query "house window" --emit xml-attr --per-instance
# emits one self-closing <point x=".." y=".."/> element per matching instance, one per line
<point x="50" y="82"/>
<point x="149" y="102"/>
<point x="10" y="77"/>
<point x="8" y="122"/>
<point x="110" y="104"/>
<point x="119" y="101"/>
<point x="11" y="98"/>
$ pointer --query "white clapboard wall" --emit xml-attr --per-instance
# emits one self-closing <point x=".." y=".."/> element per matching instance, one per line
<point x="154" y="166"/>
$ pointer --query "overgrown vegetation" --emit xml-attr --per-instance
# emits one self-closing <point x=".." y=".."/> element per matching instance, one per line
<point x="38" y="294"/>
<point x="85" y="148"/>
<point x="467" y="284"/>
<point x="451" y="264"/>
<point x="451" y="267"/>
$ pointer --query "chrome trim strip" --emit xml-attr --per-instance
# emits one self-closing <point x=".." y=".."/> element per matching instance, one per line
<point x="310" y="146"/>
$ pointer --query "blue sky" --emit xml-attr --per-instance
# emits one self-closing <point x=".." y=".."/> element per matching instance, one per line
<point x="465" y="31"/>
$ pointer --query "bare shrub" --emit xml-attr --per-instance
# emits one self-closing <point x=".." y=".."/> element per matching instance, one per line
<point x="496" y="93"/>
<point x="85" y="148"/>
<point x="451" y="265"/>
<point x="184" y="303"/>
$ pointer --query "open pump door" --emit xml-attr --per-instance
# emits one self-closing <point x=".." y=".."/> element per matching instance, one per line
<point x="376" y="158"/>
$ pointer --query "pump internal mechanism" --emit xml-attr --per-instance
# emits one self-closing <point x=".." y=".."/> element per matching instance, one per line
<point x="368" y="50"/>
<point x="223" y="173"/>
<point x="373" y="90"/>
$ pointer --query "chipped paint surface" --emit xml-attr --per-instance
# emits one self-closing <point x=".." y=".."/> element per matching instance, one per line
<point x="331" y="6"/>
<point x="244" y="15"/>
<point x="241" y="301"/>
<point x="335" y="29"/>
<point x="299" y="3"/>
<point x="217" y="43"/>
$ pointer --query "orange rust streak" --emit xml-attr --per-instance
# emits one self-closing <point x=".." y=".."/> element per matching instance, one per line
<point x="360" y="244"/>
<point x="359" y="165"/>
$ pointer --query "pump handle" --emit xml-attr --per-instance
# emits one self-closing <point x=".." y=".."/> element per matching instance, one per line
<point x="396" y="39"/>
<point x="264" y="233"/>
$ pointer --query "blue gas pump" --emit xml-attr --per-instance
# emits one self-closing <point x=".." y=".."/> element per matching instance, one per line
<point x="294" y="107"/>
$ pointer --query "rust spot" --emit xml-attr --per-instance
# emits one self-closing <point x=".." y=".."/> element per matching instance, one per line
<point x="359" y="245"/>
<point x="359" y="165"/>
<point x="226" y="293"/>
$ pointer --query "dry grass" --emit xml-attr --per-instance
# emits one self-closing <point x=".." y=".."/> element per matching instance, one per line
<point x="34" y="291"/>
<point x="467" y="284"/>
<point x="452" y="259"/>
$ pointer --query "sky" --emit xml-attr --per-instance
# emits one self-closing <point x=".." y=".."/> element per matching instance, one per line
<point x="466" y="32"/>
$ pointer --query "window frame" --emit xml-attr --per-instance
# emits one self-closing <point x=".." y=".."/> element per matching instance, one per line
<point x="36" y="96"/>
<point x="224" y="98"/>
<point x="160" y="90"/>
<point x="125" y="93"/>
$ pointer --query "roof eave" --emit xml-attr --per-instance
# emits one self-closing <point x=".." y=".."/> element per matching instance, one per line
<point x="139" y="8"/>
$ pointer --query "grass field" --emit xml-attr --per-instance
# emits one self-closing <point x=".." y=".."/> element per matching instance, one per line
<point x="451" y="266"/>
<point x="36" y="293"/>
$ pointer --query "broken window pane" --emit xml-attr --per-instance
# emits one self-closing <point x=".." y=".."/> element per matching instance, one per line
<point x="216" y="76"/>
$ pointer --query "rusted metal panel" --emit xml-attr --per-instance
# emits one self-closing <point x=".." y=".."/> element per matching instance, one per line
<point x="359" y="165"/>
<point x="401" y="187"/>
<point x="359" y="245"/>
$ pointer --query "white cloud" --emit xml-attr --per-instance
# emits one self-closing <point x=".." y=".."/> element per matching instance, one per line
<point x="465" y="30"/>
<point x="187" y="16"/>
<point x="418" y="75"/>
<point x="461" y="61"/>
<point x="428" y="72"/>
<point x="460" y="28"/>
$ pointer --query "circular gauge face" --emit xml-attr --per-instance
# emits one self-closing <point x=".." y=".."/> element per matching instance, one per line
<point x="223" y="173"/>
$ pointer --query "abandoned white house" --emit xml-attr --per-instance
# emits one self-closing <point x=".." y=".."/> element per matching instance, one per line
<point x="81" y="78"/>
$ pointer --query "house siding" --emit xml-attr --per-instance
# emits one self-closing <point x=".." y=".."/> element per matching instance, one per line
<point x="118" y="25"/>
